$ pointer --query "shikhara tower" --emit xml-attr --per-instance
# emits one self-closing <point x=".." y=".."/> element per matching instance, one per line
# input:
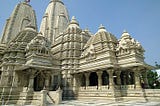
<point x="37" y="65"/>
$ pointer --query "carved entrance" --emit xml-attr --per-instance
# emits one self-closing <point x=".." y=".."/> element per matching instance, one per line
<point x="93" y="79"/>
<point x="39" y="82"/>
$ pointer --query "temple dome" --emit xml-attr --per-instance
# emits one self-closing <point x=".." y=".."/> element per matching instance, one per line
<point x="102" y="36"/>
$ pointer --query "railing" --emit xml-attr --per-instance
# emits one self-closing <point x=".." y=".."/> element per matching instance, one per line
<point x="127" y="86"/>
<point x="94" y="88"/>
<point x="106" y="87"/>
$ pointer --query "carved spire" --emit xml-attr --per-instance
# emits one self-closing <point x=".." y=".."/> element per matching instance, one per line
<point x="56" y="21"/>
<point x="21" y="16"/>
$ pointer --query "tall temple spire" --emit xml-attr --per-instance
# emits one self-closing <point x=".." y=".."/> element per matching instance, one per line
<point x="55" y="20"/>
<point x="22" y="15"/>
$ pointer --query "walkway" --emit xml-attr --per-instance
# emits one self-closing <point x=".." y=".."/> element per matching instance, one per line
<point x="106" y="103"/>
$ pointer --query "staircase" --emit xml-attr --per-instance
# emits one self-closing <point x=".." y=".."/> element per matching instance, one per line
<point x="42" y="98"/>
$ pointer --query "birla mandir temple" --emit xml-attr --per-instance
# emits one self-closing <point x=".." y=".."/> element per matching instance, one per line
<point x="61" y="61"/>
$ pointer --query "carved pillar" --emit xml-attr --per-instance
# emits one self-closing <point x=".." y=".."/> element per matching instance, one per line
<point x="31" y="82"/>
<point x="137" y="78"/>
<point x="99" y="79"/>
<point x="52" y="82"/>
<point x="87" y="79"/>
<point x="31" y="79"/>
<point x="75" y="84"/>
<point x="47" y="81"/>
<point x="75" y="80"/>
<point x="111" y="81"/>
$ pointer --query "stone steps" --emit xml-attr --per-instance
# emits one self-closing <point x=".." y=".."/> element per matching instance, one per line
<point x="21" y="98"/>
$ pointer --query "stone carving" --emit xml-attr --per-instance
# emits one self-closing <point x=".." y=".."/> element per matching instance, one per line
<point x="63" y="55"/>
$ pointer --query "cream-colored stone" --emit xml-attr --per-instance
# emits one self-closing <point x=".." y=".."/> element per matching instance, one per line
<point x="35" y="66"/>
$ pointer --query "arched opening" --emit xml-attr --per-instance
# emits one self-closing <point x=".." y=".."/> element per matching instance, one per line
<point x="55" y="82"/>
<point x="83" y="79"/>
<point x="105" y="78"/>
<point x="123" y="78"/>
<point x="39" y="82"/>
<point x="131" y="78"/>
<point x="93" y="79"/>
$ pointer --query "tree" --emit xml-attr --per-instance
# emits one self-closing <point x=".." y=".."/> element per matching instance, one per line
<point x="154" y="78"/>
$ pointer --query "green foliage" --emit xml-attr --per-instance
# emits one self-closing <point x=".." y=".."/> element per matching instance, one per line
<point x="153" y="79"/>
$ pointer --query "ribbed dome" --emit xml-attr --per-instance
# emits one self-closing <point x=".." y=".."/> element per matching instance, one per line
<point x="55" y="20"/>
<point x="102" y="36"/>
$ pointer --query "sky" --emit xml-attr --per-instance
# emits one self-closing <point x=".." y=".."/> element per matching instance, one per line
<point x="141" y="18"/>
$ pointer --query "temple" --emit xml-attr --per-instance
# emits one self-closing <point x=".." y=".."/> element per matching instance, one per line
<point x="62" y="61"/>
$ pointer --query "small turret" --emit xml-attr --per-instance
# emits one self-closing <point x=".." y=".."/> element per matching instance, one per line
<point x="73" y="26"/>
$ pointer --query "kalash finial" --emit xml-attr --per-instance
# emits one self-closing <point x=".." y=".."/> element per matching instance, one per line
<point x="27" y="1"/>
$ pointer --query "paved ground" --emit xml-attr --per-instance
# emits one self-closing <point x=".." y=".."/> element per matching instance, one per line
<point x="106" y="103"/>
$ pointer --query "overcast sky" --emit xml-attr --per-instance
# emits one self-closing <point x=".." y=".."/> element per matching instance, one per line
<point x="141" y="18"/>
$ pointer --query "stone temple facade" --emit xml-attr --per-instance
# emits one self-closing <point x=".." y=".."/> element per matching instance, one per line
<point x="63" y="61"/>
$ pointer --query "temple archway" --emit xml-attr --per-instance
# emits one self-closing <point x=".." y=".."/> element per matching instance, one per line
<point x="39" y="82"/>
<point x="123" y="78"/>
<point x="131" y="78"/>
<point x="93" y="79"/>
<point x="105" y="78"/>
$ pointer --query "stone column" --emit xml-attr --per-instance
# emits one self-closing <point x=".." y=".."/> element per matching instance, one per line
<point x="59" y="79"/>
<point x="87" y="79"/>
<point x="75" y="85"/>
<point x="47" y="82"/>
<point x="31" y="82"/>
<point x="99" y="79"/>
<point x="52" y="82"/>
<point x="137" y="78"/>
<point x="43" y="98"/>
<point x="74" y="80"/>
<point x="118" y="73"/>
<point x="111" y="81"/>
